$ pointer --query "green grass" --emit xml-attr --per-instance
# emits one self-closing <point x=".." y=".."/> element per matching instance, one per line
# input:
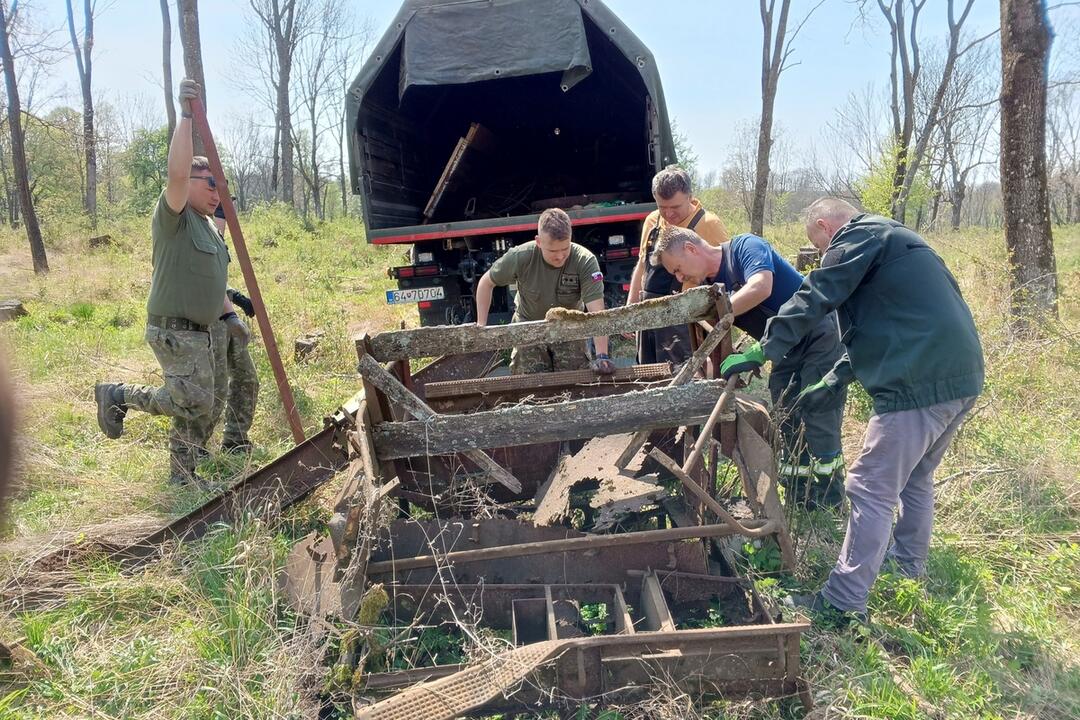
<point x="994" y="632"/>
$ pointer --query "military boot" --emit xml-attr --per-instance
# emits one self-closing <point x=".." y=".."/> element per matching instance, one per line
<point x="111" y="408"/>
<point x="236" y="446"/>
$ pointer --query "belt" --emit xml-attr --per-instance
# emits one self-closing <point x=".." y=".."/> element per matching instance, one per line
<point x="175" y="323"/>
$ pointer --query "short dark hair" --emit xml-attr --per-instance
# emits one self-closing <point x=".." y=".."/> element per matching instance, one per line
<point x="673" y="239"/>
<point x="556" y="223"/>
<point x="672" y="179"/>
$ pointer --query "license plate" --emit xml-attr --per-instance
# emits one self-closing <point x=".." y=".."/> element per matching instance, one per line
<point x="414" y="295"/>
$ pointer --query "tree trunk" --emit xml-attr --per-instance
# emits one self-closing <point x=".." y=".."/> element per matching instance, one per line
<point x="84" y="64"/>
<point x="276" y="163"/>
<point x="1025" y="49"/>
<point x="18" y="150"/>
<point x="772" y="58"/>
<point x="284" y="121"/>
<point x="316" y="187"/>
<point x="959" y="191"/>
<point x="341" y="169"/>
<point x="166" y="65"/>
<point x="193" y="66"/>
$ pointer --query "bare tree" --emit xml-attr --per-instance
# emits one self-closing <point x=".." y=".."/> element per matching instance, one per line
<point x="1025" y="48"/>
<point x="855" y="141"/>
<point x="166" y="65"/>
<point x="347" y="57"/>
<point x="316" y="83"/>
<point x="738" y="175"/>
<point x="244" y="147"/>
<point x="968" y="117"/>
<point x="964" y="140"/>
<point x="775" y="51"/>
<point x="905" y="69"/>
<point x="283" y="24"/>
<point x="18" y="150"/>
<point x="1064" y="154"/>
<point x="84" y="64"/>
<point x="193" y="65"/>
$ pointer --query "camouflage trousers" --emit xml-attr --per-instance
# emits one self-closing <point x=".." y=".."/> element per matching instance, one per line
<point x="188" y="366"/>
<point x="236" y="386"/>
<point x="571" y="355"/>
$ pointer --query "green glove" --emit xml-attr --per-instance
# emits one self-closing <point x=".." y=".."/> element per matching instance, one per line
<point x="750" y="359"/>
<point x="819" y="395"/>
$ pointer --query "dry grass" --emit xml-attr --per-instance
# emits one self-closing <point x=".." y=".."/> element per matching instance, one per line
<point x="993" y="632"/>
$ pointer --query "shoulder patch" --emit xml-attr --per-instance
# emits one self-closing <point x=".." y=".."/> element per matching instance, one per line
<point x="598" y="276"/>
<point x="832" y="256"/>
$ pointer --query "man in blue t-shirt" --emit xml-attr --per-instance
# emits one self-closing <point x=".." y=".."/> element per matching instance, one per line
<point x="760" y="282"/>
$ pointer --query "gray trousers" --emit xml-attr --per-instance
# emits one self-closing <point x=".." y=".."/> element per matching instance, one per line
<point x="804" y="365"/>
<point x="900" y="452"/>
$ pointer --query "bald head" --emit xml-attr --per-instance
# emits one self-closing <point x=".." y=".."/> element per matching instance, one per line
<point x="824" y="217"/>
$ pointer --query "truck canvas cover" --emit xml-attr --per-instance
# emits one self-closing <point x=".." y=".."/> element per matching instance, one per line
<point x="451" y="44"/>
<point x="562" y="99"/>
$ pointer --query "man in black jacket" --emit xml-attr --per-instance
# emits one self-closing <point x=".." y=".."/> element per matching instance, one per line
<point x="911" y="342"/>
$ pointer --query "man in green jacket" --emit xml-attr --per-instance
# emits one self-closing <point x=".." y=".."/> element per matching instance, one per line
<point x="911" y="342"/>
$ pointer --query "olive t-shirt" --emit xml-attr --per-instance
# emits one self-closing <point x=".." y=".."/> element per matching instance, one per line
<point x="190" y="265"/>
<point x="541" y="287"/>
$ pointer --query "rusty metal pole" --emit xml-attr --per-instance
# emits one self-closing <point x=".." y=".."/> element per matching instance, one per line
<point x="237" y="234"/>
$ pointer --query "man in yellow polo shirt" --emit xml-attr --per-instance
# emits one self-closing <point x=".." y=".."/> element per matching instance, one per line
<point x="675" y="205"/>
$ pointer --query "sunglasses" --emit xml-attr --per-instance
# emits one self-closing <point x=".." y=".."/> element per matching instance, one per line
<point x="208" y="178"/>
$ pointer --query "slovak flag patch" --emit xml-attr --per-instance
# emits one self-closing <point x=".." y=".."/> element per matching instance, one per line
<point x="598" y="276"/>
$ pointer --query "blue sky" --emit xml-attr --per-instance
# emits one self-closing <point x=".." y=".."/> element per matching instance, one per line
<point x="708" y="52"/>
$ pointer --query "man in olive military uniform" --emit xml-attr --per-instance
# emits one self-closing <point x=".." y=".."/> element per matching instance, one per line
<point x="187" y="296"/>
<point x="235" y="370"/>
<point x="552" y="272"/>
<point x="911" y="341"/>
<point x="675" y="207"/>
<point x="760" y="281"/>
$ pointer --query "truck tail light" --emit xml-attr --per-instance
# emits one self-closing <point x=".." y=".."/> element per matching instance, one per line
<point x="626" y="287"/>
<point x="635" y="251"/>
<point x="425" y="304"/>
<point x="408" y="271"/>
<point x="617" y="254"/>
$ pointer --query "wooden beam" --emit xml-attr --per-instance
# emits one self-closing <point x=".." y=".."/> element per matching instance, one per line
<point x="690" y="306"/>
<point x="549" y="381"/>
<point x="528" y="424"/>
<point x="388" y="384"/>
<point x="546" y="547"/>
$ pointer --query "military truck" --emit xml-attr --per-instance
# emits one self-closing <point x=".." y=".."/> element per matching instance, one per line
<point x="471" y="117"/>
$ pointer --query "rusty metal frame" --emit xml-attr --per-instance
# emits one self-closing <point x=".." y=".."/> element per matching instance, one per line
<point x="761" y="657"/>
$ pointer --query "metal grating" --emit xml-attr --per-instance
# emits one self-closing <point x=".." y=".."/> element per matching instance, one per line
<point x="471" y="688"/>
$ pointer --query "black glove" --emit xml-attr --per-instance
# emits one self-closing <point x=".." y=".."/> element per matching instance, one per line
<point x="237" y="328"/>
<point x="820" y="395"/>
<point x="243" y="302"/>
